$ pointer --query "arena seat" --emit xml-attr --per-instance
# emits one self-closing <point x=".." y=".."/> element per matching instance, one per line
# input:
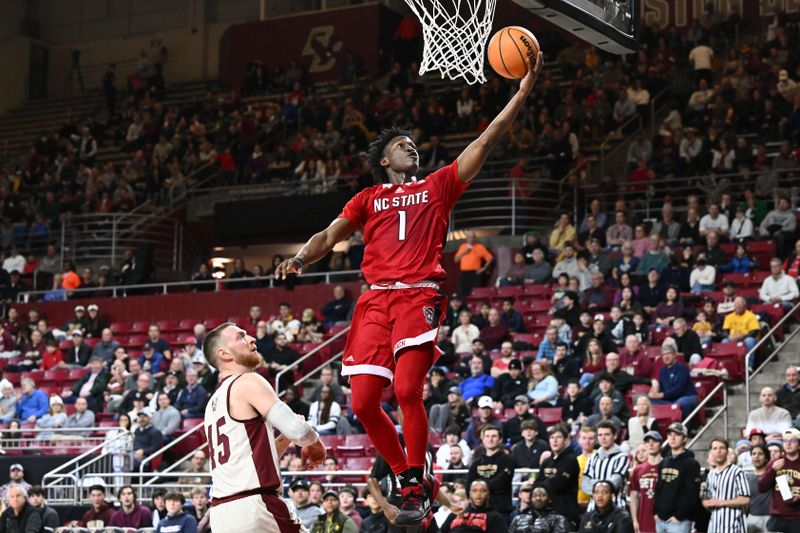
<point x="135" y="341"/>
<point x="510" y="291"/>
<point x="665" y="414"/>
<point x="541" y="291"/>
<point x="140" y="326"/>
<point x="65" y="345"/>
<point x="211" y="323"/>
<point x="536" y="306"/>
<point x="120" y="328"/>
<point x="168" y="325"/>
<point x="186" y="325"/>
<point x="550" y="415"/>
<point x="359" y="463"/>
<point x="77" y="373"/>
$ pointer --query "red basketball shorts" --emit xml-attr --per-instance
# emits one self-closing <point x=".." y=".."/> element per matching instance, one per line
<point x="386" y="321"/>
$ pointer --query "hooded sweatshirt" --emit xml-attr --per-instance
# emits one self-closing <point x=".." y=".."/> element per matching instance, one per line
<point x="183" y="522"/>
<point x="677" y="487"/>
<point x="610" y="465"/>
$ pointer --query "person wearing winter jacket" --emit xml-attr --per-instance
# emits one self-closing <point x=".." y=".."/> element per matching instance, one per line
<point x="677" y="495"/>
<point x="605" y="517"/>
<point x="540" y="517"/>
<point x="20" y="516"/>
<point x="177" y="520"/>
<point x="477" y="517"/>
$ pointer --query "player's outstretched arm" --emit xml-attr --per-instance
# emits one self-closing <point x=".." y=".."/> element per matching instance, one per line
<point x="316" y="248"/>
<point x="474" y="156"/>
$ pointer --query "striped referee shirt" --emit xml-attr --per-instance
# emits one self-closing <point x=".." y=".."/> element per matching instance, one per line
<point x="727" y="484"/>
<point x="611" y="465"/>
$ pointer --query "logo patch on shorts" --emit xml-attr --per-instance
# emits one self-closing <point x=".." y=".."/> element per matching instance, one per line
<point x="350" y="359"/>
<point x="429" y="312"/>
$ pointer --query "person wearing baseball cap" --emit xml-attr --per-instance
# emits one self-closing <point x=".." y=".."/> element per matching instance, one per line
<point x="485" y="416"/>
<point x="677" y="494"/>
<point x="508" y="385"/>
<point x="643" y="480"/>
<point x="16" y="474"/>
<point x="305" y="509"/>
<point x="333" y="519"/>
<point x="146" y="439"/>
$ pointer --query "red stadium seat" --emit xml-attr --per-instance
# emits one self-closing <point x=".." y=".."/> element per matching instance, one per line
<point x="359" y="463"/>
<point x="56" y="376"/>
<point x="168" y="325"/>
<point x="509" y="292"/>
<point x="77" y="373"/>
<point x="187" y="324"/>
<point x="119" y="328"/>
<point x="91" y="342"/>
<point x="65" y="345"/>
<point x="550" y="415"/>
<point x="531" y="338"/>
<point x="173" y="339"/>
<point x="665" y="415"/>
<point x="484" y="293"/>
<point x="537" y="306"/>
<point x="542" y="291"/>
<point x="140" y="327"/>
<point x="135" y="341"/>
<point x="189" y="423"/>
<point x="211" y="323"/>
<point x="240" y="320"/>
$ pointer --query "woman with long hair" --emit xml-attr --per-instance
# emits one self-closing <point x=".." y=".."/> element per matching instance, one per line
<point x="324" y="414"/>
<point x="594" y="360"/>
<point x="625" y="280"/>
<point x="119" y="444"/>
<point x="641" y="423"/>
<point x="542" y="385"/>
<point x="671" y="308"/>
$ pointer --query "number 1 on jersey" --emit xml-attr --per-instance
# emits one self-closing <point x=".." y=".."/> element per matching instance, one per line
<point x="401" y="231"/>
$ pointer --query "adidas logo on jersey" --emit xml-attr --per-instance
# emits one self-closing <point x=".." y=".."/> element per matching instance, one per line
<point x="350" y="359"/>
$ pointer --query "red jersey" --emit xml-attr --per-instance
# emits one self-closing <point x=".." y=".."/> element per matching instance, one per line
<point x="405" y="226"/>
<point x="643" y="481"/>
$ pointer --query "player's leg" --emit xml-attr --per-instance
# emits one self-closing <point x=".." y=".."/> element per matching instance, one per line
<point x="412" y="368"/>
<point x="367" y="390"/>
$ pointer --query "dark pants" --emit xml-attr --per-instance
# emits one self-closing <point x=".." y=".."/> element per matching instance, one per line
<point x="467" y="281"/>
<point x="776" y="523"/>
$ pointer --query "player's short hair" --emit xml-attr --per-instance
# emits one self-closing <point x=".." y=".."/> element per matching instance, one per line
<point x="99" y="487"/>
<point x="211" y="343"/>
<point x="377" y="147"/>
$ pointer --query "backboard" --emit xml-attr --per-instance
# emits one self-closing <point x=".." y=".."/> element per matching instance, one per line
<point x="612" y="25"/>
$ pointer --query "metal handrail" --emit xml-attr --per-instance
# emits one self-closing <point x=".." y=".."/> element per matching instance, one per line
<point x="175" y="465"/>
<point x="121" y="290"/>
<point x="722" y="412"/>
<point x="149" y="459"/>
<point x="299" y="361"/>
<point x="749" y="375"/>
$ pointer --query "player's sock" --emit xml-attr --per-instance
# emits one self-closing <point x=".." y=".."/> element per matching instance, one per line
<point x="412" y="369"/>
<point x="367" y="391"/>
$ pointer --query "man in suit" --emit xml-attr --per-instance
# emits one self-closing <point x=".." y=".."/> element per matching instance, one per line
<point x="91" y="386"/>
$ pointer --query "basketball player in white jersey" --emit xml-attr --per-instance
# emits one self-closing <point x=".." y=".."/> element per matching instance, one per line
<point x="240" y="422"/>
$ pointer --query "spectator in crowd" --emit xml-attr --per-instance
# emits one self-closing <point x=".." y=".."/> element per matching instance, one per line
<point x="192" y="399"/>
<point x="560" y="471"/>
<point x="485" y="418"/>
<point x="784" y="514"/>
<point x="604" y="412"/>
<point x="167" y="419"/>
<point x="92" y="386"/>
<point x="540" y="516"/>
<point x="515" y="275"/>
<point x="326" y="378"/>
<point x="511" y="317"/>
<point x="567" y="262"/>
<point x="494" y="467"/>
<point x="788" y="396"/>
<point x="50" y="518"/>
<point x="500" y="364"/>
<point x="779" y="225"/>
<point x="741" y="226"/>
<point x="333" y="519"/>
<point x="100" y="511"/>
<point x="770" y="418"/>
<point x="158" y="344"/>
<point x="478" y="383"/>
<point x="642" y="423"/>
<point x="106" y="347"/>
<point x="779" y="287"/>
<point x="473" y="260"/>
<point x="643" y="485"/>
<point x="575" y="405"/>
<point x="715" y="255"/>
<point x="758" y="510"/>
<point x="605" y="516"/>
<point x="479" y="513"/>
<point x="508" y="386"/>
<point x="81" y="418"/>
<point x="667" y="228"/>
<point x="280" y="358"/>
<point x="635" y="358"/>
<point x="176" y="516"/>
<point x="465" y="333"/>
<point x="620" y="232"/>
<point x="624" y="109"/>
<point x="539" y="271"/>
<point x="741" y="326"/>
<point x="677" y="492"/>
<point x="495" y="332"/>
<point x="335" y="311"/>
<point x="8" y="402"/>
<point x="16" y="475"/>
<point x="130" y="514"/>
<point x="542" y="385"/>
<point x="199" y="504"/>
<point x="197" y="472"/>
<point x="528" y="451"/>
<point x="512" y="427"/>
<point x="563" y="233"/>
<point x="324" y="414"/>
<point x="687" y="341"/>
<point x="307" y="511"/>
<point x="727" y="493"/>
<point x="33" y="402"/>
<point x="703" y="276"/>
<point x="20" y="515"/>
<point x="146" y="439"/>
<point x="452" y="438"/>
<point x="674" y="384"/>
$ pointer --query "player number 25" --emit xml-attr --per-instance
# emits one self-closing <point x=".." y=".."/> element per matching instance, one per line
<point x="222" y="446"/>
<point x="401" y="229"/>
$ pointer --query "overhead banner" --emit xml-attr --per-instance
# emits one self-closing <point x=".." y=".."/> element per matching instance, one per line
<point x="681" y="13"/>
<point x="318" y="42"/>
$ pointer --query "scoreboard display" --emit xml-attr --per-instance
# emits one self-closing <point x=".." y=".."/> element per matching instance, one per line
<point x="612" y="25"/>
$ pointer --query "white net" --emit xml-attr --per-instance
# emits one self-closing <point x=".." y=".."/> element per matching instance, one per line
<point x="455" y="34"/>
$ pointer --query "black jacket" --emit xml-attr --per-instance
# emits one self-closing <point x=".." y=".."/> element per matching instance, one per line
<point x="50" y="517"/>
<point x="528" y="456"/>
<point x="689" y="344"/>
<point x="29" y="520"/>
<point x="543" y="521"/>
<point x="571" y="410"/>
<point x="561" y="480"/>
<point x="614" y="520"/>
<point x="789" y="400"/>
<point x="678" y="487"/>
<point x="147" y="438"/>
<point x="475" y="520"/>
<point x="512" y="428"/>
<point x="497" y="471"/>
<point x="78" y="355"/>
<point x="375" y="523"/>
<point x="506" y="388"/>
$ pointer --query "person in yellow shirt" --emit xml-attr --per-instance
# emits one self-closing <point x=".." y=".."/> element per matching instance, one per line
<point x="473" y="260"/>
<point x="562" y="233"/>
<point x="586" y="440"/>
<point x="741" y="326"/>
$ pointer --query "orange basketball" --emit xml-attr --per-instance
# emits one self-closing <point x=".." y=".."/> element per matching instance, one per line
<point x="511" y="50"/>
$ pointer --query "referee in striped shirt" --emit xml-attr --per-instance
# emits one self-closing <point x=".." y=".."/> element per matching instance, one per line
<point x="727" y="492"/>
<point x="607" y="463"/>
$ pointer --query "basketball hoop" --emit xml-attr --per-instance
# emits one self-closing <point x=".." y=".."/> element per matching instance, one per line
<point x="455" y="34"/>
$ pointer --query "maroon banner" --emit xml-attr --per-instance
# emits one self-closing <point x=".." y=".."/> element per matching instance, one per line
<point x="317" y="41"/>
<point x="682" y="13"/>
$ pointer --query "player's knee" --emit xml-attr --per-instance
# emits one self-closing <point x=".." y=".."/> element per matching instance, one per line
<point x="407" y="392"/>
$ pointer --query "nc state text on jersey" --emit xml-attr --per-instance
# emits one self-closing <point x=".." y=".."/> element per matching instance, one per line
<point x="381" y="204"/>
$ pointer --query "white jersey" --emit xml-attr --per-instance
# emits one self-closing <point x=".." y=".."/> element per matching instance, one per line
<point x="241" y="453"/>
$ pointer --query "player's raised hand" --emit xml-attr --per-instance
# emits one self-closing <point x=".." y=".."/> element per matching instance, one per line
<point x="527" y="83"/>
<point x="289" y="266"/>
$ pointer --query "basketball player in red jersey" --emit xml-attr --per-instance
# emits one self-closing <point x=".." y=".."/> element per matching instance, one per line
<point x="395" y="324"/>
<point x="240" y="420"/>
